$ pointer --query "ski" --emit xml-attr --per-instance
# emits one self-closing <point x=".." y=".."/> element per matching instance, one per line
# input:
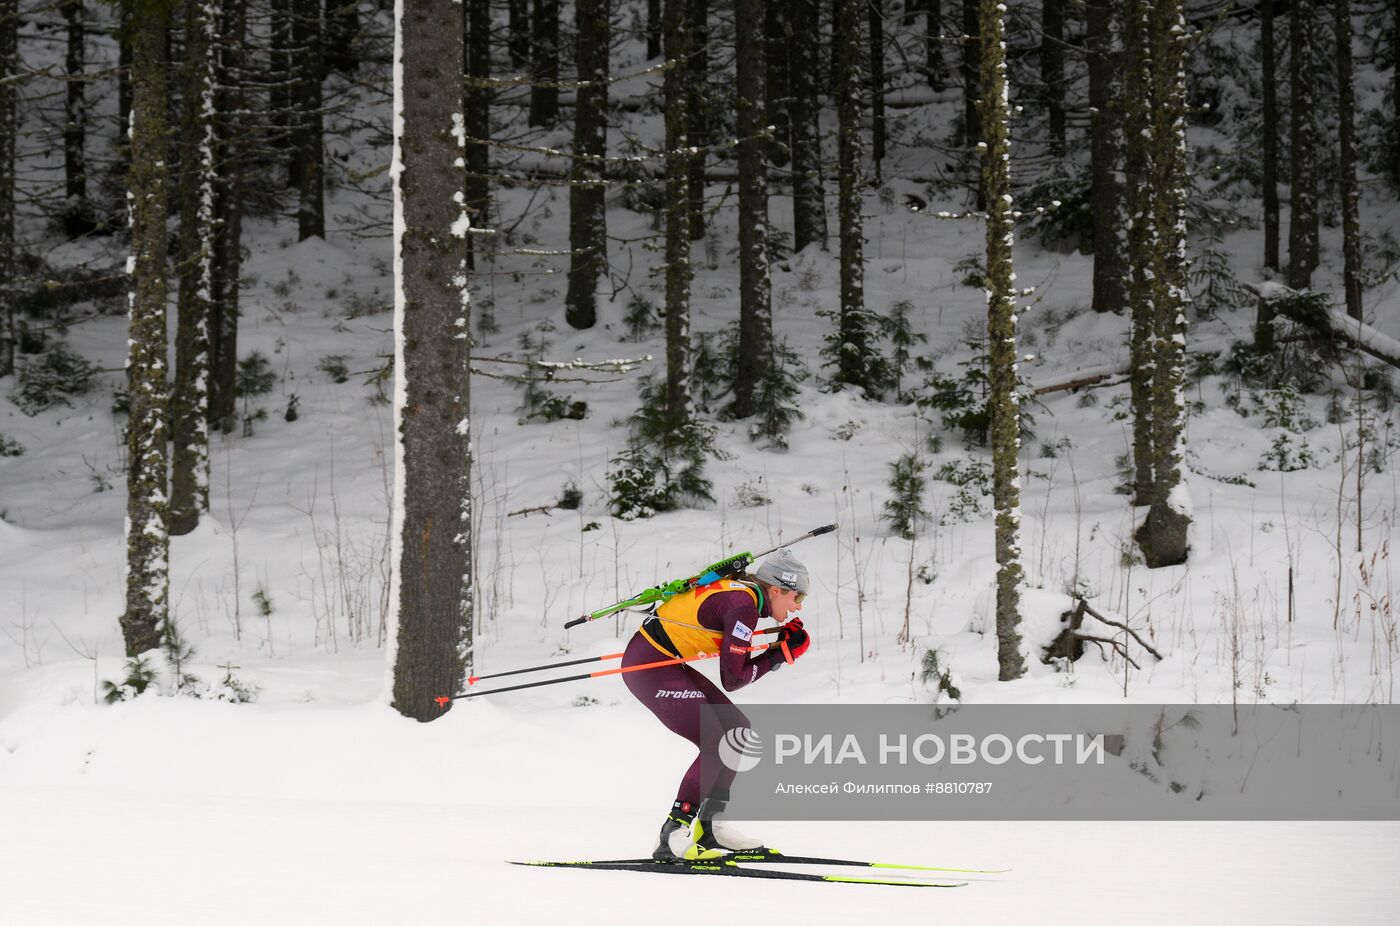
<point x="725" y="868"/>
<point x="773" y="856"/>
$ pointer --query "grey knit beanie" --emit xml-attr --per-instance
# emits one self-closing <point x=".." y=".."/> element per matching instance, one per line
<point x="783" y="570"/>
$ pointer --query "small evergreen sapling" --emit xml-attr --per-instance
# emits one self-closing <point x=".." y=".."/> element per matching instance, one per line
<point x="904" y="510"/>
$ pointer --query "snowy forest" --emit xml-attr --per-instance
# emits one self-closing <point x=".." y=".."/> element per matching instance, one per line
<point x="350" y="349"/>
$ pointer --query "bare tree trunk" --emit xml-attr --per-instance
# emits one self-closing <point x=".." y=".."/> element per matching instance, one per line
<point x="1052" y="67"/>
<point x="678" y="273"/>
<point x="1003" y="402"/>
<point x="341" y="30"/>
<point x="1302" y="216"/>
<point x="778" y="37"/>
<point x="588" y="222"/>
<point x="478" y="121"/>
<point x="228" y="214"/>
<point x="1142" y="246"/>
<point x="971" y="75"/>
<point x="1351" y="222"/>
<point x="697" y="119"/>
<point x="544" y="65"/>
<point x="9" y="77"/>
<point x="1106" y="153"/>
<point x="876" y="17"/>
<point x="1269" y="143"/>
<point x="148" y="545"/>
<point x="189" y="482"/>
<point x="1163" y="536"/>
<point x="755" y="287"/>
<point x="808" y="195"/>
<point x="431" y="643"/>
<point x="653" y="28"/>
<point x="78" y="218"/>
<point x="853" y="362"/>
<point x="518" y="41"/>
<point x="934" y="70"/>
<point x="283" y="100"/>
<point x="310" y="131"/>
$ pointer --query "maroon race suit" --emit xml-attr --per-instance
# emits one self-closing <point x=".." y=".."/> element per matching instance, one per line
<point x="677" y="693"/>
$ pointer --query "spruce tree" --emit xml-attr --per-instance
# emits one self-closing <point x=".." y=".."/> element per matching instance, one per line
<point x="1138" y="170"/>
<point x="588" y="224"/>
<point x="1052" y="68"/>
<point x="808" y="196"/>
<point x="934" y="71"/>
<point x="1268" y="145"/>
<point x="9" y="131"/>
<point x="854" y="350"/>
<point x="544" y="63"/>
<point x="189" y="481"/>
<point x="677" y="212"/>
<point x="78" y="217"/>
<point x="431" y="597"/>
<point x="1302" y="155"/>
<point x="1163" y="537"/>
<point x="147" y="543"/>
<point x="1106" y="153"/>
<point x="477" y="111"/>
<point x="1003" y="402"/>
<point x="755" y="288"/>
<point x="308" y="172"/>
<point x="1346" y="138"/>
<point x="698" y="128"/>
<point x="875" y="16"/>
<point x="231" y="131"/>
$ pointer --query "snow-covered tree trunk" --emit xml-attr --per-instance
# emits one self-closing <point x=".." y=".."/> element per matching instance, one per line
<point x="755" y="287"/>
<point x="1268" y="145"/>
<point x="310" y="160"/>
<point x="808" y="196"/>
<point x="544" y="63"/>
<point x="77" y="211"/>
<point x="854" y="335"/>
<point x="588" y="223"/>
<point x="228" y="212"/>
<point x="1137" y="160"/>
<point x="1002" y="402"/>
<point x="676" y="24"/>
<point x="147" y="543"/>
<point x="430" y="639"/>
<point x="9" y="77"/>
<point x="478" y="116"/>
<point x="1302" y="216"/>
<point x="1163" y="536"/>
<point x="1351" y="222"/>
<point x="1052" y="67"/>
<point x="189" y="418"/>
<point x="1106" y="154"/>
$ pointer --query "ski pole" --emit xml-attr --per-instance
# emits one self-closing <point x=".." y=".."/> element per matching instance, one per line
<point x="473" y="679"/>
<point x="444" y="700"/>
<point x="726" y="567"/>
